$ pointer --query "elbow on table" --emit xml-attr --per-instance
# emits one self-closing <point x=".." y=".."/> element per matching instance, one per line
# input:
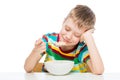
<point x="98" y="72"/>
<point x="27" y="69"/>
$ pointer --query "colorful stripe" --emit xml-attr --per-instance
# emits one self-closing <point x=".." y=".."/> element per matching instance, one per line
<point x="79" y="55"/>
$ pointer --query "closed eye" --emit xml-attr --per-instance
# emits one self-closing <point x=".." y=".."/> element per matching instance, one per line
<point x="67" y="28"/>
<point x="77" y="35"/>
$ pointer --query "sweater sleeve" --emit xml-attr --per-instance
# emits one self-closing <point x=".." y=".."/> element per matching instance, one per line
<point x="84" y="54"/>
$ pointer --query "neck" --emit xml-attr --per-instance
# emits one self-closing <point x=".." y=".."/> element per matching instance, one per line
<point x="67" y="48"/>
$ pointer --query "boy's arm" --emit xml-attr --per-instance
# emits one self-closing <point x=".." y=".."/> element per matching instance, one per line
<point x="35" y="55"/>
<point x="95" y="63"/>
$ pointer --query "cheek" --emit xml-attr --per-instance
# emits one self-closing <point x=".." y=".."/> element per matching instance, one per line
<point x="62" y="32"/>
<point x="75" y="40"/>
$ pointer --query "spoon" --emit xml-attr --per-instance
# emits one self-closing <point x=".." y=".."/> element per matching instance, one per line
<point x="58" y="44"/>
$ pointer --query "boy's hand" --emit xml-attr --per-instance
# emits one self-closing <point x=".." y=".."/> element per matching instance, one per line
<point x="85" y="34"/>
<point x="40" y="46"/>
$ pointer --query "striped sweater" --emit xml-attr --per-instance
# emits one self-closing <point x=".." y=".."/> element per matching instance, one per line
<point x="79" y="54"/>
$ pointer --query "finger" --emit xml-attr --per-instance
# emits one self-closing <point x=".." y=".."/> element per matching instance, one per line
<point x="38" y="42"/>
<point x="41" y="46"/>
<point x="42" y="51"/>
<point x="92" y="30"/>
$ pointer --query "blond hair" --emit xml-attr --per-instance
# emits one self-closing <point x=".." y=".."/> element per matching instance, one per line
<point x="83" y="16"/>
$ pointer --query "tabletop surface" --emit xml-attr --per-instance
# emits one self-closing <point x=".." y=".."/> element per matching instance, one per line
<point x="47" y="76"/>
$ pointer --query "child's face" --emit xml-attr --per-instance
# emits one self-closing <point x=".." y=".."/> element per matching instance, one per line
<point x="70" y="33"/>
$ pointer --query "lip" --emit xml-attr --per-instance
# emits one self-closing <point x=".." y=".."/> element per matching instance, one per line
<point x="62" y="39"/>
<point x="66" y="41"/>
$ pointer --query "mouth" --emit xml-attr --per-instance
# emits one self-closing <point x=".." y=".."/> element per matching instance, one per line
<point x="62" y="39"/>
<point x="67" y="41"/>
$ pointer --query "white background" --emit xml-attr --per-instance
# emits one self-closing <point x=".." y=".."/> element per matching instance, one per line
<point x="24" y="21"/>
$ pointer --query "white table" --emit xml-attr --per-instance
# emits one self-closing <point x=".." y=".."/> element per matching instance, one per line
<point x="47" y="76"/>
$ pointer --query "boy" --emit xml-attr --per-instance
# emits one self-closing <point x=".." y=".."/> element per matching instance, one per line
<point x="79" y="45"/>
